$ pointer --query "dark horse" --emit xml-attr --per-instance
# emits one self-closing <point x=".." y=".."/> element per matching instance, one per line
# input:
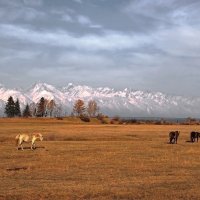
<point x="194" y="135"/>
<point x="173" y="137"/>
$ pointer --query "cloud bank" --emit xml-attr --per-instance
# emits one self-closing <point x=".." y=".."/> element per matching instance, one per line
<point x="147" y="45"/>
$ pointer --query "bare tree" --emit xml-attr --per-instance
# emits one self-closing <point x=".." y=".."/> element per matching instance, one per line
<point x="58" y="111"/>
<point x="92" y="108"/>
<point x="33" y="109"/>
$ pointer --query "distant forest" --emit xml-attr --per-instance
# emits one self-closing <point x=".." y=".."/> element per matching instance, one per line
<point x="49" y="108"/>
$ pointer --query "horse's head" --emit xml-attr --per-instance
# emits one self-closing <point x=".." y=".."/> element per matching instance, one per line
<point x="41" y="137"/>
<point x="38" y="136"/>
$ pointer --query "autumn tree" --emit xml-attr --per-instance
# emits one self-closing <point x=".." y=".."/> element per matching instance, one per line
<point x="92" y="108"/>
<point x="26" y="112"/>
<point x="51" y="105"/>
<point x="79" y="107"/>
<point x="10" y="107"/>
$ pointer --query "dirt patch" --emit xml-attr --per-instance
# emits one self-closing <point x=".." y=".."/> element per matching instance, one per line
<point x="16" y="168"/>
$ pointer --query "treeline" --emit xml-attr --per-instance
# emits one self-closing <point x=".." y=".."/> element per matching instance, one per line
<point x="12" y="108"/>
<point x="49" y="108"/>
<point x="43" y="108"/>
<point x="161" y="121"/>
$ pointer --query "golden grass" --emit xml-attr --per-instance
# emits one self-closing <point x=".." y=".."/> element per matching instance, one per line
<point x="92" y="161"/>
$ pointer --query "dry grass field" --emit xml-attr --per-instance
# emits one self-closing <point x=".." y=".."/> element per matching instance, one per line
<point x="93" y="161"/>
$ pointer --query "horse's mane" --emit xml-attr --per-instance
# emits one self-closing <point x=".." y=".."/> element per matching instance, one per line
<point x="37" y="134"/>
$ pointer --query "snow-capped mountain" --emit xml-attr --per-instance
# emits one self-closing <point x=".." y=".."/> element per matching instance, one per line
<point x="127" y="103"/>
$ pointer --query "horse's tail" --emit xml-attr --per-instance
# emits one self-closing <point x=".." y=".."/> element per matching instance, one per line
<point x="17" y="139"/>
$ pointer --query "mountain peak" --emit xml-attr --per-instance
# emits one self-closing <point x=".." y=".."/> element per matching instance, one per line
<point x="42" y="86"/>
<point x="69" y="86"/>
<point x="127" y="102"/>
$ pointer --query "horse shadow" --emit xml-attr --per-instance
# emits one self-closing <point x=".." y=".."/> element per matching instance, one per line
<point x="189" y="141"/>
<point x="25" y="148"/>
<point x="171" y="142"/>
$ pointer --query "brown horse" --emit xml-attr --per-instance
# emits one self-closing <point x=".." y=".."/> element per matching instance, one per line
<point x="21" y="138"/>
<point x="173" y="137"/>
<point x="194" y="135"/>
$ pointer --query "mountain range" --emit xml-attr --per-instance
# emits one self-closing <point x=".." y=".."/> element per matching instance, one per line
<point x="125" y="103"/>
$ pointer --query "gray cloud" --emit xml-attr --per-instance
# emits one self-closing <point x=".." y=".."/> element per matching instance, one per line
<point x="107" y="41"/>
<point x="78" y="1"/>
<point x="33" y="3"/>
<point x="148" y="45"/>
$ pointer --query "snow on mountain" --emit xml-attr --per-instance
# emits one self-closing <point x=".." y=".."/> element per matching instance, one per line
<point x="127" y="102"/>
<point x="47" y="91"/>
<point x="6" y="93"/>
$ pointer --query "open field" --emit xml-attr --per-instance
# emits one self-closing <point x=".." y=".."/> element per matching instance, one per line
<point x="94" y="161"/>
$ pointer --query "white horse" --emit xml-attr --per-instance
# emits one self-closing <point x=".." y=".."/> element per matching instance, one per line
<point x="21" y="138"/>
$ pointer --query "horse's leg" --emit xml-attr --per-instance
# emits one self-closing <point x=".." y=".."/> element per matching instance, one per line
<point x="170" y="139"/>
<point x="32" y="145"/>
<point x="22" y="147"/>
<point x="176" y="139"/>
<point x="18" y="145"/>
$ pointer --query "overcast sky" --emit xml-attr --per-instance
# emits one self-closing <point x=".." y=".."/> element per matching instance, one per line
<point x="141" y="44"/>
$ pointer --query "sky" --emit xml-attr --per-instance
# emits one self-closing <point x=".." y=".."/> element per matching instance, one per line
<point x="145" y="45"/>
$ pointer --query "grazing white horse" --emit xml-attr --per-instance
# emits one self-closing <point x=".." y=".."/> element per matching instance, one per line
<point x="21" y="138"/>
